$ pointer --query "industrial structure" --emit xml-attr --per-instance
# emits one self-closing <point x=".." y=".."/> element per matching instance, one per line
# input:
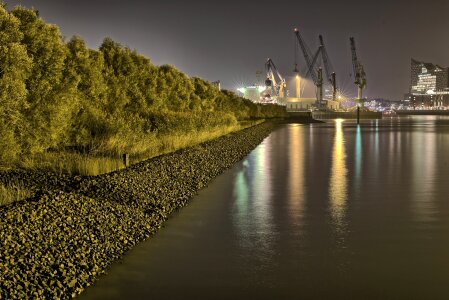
<point x="275" y="84"/>
<point x="316" y="73"/>
<point x="272" y="91"/>
<point x="359" y="72"/>
<point x="330" y="74"/>
<point x="217" y="84"/>
<point x="317" y="67"/>
<point x="429" y="86"/>
<point x="252" y="92"/>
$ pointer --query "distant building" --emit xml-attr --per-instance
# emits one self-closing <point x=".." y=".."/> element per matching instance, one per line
<point x="252" y="92"/>
<point x="381" y="104"/>
<point x="217" y="84"/>
<point x="305" y="104"/>
<point x="429" y="86"/>
<point x="261" y="94"/>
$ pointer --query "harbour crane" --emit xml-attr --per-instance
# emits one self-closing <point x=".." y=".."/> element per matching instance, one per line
<point x="330" y="74"/>
<point x="359" y="73"/>
<point x="315" y="73"/>
<point x="277" y="85"/>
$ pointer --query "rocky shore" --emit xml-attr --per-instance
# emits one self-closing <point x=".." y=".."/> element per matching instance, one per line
<point x="56" y="243"/>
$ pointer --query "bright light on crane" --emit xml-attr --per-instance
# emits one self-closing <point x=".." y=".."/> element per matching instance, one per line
<point x="274" y="82"/>
<point x="298" y="86"/>
<point x="313" y="72"/>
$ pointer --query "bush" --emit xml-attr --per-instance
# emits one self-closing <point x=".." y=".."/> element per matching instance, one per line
<point x="58" y="95"/>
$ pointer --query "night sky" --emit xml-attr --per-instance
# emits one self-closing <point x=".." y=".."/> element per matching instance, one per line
<point x="230" y="40"/>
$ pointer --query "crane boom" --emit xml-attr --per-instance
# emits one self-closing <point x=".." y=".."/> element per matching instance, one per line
<point x="307" y="55"/>
<point x="330" y="74"/>
<point x="315" y="59"/>
<point x="315" y="73"/>
<point x="354" y="56"/>
<point x="359" y="72"/>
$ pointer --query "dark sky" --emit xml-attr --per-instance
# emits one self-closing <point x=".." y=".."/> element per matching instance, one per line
<point x="230" y="40"/>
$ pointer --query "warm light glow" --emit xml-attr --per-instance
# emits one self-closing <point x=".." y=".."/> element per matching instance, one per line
<point x="298" y="86"/>
<point x="338" y="181"/>
<point x="296" y="169"/>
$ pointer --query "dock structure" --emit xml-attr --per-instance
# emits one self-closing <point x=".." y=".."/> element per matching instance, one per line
<point x="364" y="114"/>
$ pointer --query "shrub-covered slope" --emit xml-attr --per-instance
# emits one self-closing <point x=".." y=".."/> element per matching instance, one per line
<point x="57" y="95"/>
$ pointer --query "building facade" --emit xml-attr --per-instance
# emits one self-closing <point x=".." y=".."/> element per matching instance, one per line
<point x="429" y="86"/>
<point x="306" y="104"/>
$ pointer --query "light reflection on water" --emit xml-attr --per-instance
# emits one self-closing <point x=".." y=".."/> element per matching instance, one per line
<point x="326" y="211"/>
<point x="338" y="179"/>
<point x="424" y="156"/>
<point x="358" y="153"/>
<point x="296" y="177"/>
<point x="253" y="196"/>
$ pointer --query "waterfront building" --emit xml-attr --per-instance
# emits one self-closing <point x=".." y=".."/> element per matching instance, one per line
<point x="306" y="104"/>
<point x="429" y="86"/>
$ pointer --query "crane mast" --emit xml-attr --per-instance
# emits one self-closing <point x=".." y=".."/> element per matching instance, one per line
<point x="359" y="73"/>
<point x="316" y="74"/>
<point x="330" y="74"/>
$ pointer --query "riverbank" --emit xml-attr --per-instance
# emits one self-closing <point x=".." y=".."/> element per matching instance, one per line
<point x="56" y="243"/>
<point x="91" y="164"/>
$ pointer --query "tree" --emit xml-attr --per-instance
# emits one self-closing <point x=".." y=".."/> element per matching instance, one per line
<point x="15" y="66"/>
<point x="49" y="96"/>
<point x="206" y="93"/>
<point x="174" y="89"/>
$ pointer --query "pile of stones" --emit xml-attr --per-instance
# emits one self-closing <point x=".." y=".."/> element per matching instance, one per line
<point x="56" y="243"/>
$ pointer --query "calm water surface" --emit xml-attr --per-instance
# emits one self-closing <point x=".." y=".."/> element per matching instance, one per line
<point x="322" y="211"/>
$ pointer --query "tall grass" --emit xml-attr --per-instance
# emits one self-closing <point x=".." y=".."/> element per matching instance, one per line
<point x="13" y="192"/>
<point x="74" y="163"/>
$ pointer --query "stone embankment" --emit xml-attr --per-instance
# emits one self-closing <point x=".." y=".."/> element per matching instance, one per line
<point x="59" y="241"/>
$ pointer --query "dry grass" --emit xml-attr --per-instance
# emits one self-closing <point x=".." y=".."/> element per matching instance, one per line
<point x="139" y="149"/>
<point x="13" y="192"/>
<point x="73" y="163"/>
<point x="173" y="142"/>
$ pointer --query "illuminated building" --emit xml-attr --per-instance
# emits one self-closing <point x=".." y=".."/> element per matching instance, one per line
<point x="252" y="92"/>
<point x="429" y="88"/>
<point x="306" y="104"/>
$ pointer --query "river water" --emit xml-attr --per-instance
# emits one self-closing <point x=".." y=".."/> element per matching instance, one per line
<point x="321" y="211"/>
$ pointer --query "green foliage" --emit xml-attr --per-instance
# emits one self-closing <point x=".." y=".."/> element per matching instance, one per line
<point x="56" y="95"/>
<point x="15" y="66"/>
<point x="50" y="95"/>
<point x="173" y="88"/>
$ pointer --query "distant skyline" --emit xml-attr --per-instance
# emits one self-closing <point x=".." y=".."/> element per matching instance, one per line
<point x="230" y="40"/>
